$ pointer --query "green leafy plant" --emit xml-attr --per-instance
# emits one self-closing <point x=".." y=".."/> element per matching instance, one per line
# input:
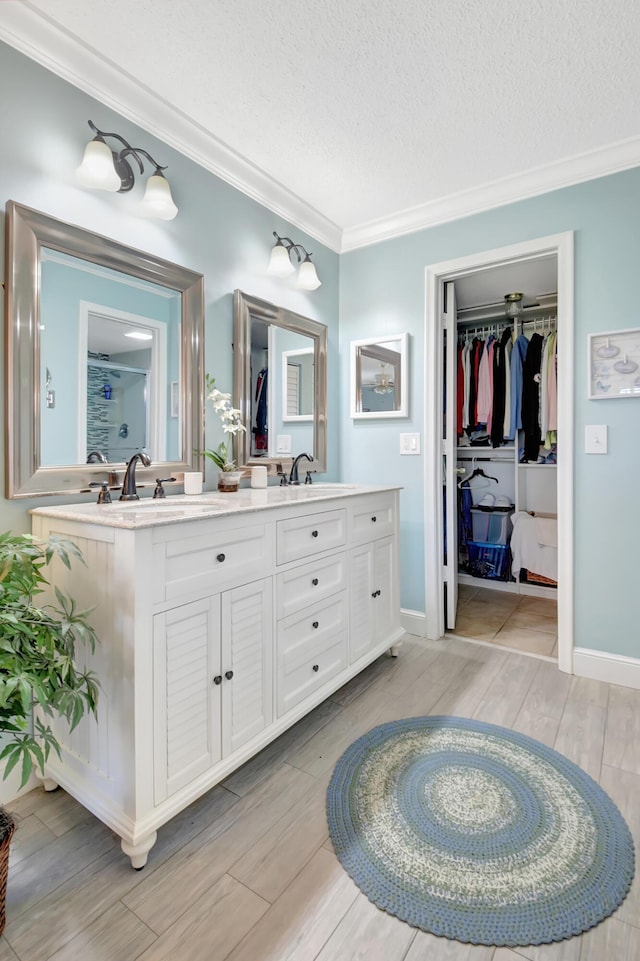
<point x="231" y="424"/>
<point x="37" y="653"/>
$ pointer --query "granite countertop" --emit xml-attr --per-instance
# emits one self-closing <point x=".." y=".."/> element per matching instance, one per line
<point x="176" y="508"/>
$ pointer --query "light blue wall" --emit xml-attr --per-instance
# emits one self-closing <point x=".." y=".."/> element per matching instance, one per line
<point x="382" y="291"/>
<point x="218" y="232"/>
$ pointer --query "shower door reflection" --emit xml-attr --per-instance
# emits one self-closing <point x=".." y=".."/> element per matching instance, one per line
<point x="117" y="409"/>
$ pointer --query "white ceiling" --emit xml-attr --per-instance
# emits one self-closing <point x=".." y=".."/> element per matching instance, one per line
<point x="365" y="118"/>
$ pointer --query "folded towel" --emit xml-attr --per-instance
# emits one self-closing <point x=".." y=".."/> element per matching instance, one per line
<point x="547" y="531"/>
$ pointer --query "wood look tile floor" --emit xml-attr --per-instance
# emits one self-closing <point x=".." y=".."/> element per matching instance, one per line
<point x="248" y="873"/>
<point x="517" y="621"/>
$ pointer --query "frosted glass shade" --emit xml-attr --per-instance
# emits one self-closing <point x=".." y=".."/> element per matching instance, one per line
<point x="307" y="277"/>
<point x="280" y="264"/>
<point x="157" y="201"/>
<point x="96" y="169"/>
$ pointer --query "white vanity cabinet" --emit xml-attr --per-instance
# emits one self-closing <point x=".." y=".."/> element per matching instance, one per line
<point x="218" y="630"/>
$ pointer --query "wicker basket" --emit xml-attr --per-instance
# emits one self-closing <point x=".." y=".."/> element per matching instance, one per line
<point x="7" y="827"/>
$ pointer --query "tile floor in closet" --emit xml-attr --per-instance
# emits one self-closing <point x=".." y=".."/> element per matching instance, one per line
<point x="248" y="873"/>
<point x="518" y="621"/>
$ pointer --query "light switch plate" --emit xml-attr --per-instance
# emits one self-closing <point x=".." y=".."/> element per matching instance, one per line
<point x="595" y="439"/>
<point x="409" y="443"/>
<point x="283" y="443"/>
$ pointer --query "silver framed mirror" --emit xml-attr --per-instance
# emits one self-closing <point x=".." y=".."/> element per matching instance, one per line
<point x="265" y="336"/>
<point x="379" y="377"/>
<point x="79" y="397"/>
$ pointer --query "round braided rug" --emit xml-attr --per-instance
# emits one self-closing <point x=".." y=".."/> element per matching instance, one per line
<point x="477" y="833"/>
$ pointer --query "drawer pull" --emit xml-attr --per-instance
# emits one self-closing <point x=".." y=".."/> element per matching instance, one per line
<point x="220" y="557"/>
<point x="314" y="533"/>
<point x="316" y="624"/>
<point x="228" y="675"/>
<point x="374" y="519"/>
<point x="315" y="581"/>
<point x="376" y="594"/>
<point x="316" y="668"/>
<point x="217" y="679"/>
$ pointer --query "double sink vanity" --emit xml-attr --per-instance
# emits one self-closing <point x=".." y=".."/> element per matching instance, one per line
<point x="223" y="619"/>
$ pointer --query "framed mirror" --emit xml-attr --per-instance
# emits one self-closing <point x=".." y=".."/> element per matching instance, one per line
<point x="105" y="356"/>
<point x="379" y="377"/>
<point x="279" y="384"/>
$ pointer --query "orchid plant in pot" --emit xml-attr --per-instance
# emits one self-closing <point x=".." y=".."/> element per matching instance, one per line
<point x="229" y="476"/>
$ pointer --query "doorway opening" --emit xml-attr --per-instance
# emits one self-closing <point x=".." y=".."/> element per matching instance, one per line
<point x="520" y="489"/>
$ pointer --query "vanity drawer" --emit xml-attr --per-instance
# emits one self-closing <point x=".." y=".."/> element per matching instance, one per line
<point x="301" y="586"/>
<point x="301" y="537"/>
<point x="372" y="517"/>
<point x="196" y="565"/>
<point x="308" y="655"/>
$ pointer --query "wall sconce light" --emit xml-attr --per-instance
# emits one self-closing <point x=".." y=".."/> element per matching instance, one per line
<point x="281" y="265"/>
<point x="105" y="169"/>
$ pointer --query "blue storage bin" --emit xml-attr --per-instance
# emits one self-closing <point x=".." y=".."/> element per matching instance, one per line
<point x="491" y="561"/>
<point x="491" y="525"/>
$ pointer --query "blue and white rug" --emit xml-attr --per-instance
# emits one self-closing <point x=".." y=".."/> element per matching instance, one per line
<point x="477" y="833"/>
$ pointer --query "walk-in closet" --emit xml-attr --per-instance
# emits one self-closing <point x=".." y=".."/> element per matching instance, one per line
<point x="500" y="343"/>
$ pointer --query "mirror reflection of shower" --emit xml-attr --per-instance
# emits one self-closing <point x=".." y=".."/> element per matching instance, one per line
<point x="125" y="359"/>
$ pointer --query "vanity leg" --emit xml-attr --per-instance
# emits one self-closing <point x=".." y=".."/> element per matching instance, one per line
<point x="394" y="650"/>
<point x="138" y="852"/>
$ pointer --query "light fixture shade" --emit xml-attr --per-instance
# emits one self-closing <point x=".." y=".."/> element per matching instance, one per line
<point x="96" y="169"/>
<point x="307" y="277"/>
<point x="157" y="201"/>
<point x="280" y="263"/>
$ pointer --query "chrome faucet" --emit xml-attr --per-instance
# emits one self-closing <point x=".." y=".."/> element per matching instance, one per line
<point x="293" y="476"/>
<point x="129" y="492"/>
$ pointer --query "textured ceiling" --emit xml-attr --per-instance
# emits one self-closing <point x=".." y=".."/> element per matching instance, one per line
<point x="364" y="108"/>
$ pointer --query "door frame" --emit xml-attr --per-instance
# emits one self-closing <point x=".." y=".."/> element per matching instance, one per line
<point x="436" y="275"/>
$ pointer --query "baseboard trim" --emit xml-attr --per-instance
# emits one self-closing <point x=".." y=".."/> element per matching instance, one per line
<point x="414" y="622"/>
<point x="602" y="666"/>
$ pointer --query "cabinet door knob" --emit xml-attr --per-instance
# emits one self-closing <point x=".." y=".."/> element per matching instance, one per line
<point x="374" y="519"/>
<point x="316" y="668"/>
<point x="315" y="581"/>
<point x="217" y="679"/>
<point x="220" y="557"/>
<point x="228" y="675"/>
<point x="314" y="533"/>
<point x="315" y="624"/>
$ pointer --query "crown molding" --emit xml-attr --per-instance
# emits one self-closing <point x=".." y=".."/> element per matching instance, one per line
<point x="611" y="159"/>
<point x="31" y="32"/>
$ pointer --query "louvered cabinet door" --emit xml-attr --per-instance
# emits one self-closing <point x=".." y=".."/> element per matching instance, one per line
<point x="186" y="694"/>
<point x="247" y="663"/>
<point x="361" y="623"/>
<point x="375" y="605"/>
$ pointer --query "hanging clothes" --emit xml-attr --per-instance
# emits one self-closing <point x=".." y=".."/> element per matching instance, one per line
<point x="260" y="432"/>
<point x="499" y="389"/>
<point x="531" y="399"/>
<point x="517" y="361"/>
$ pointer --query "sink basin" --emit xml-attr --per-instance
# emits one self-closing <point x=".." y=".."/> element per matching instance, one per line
<point x="150" y="506"/>
<point x="170" y="504"/>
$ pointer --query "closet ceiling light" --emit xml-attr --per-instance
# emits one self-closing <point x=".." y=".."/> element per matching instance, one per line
<point x="513" y="304"/>
<point x="105" y="169"/>
<point x="281" y="264"/>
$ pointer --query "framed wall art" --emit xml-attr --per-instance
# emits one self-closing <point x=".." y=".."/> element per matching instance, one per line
<point x="614" y="364"/>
